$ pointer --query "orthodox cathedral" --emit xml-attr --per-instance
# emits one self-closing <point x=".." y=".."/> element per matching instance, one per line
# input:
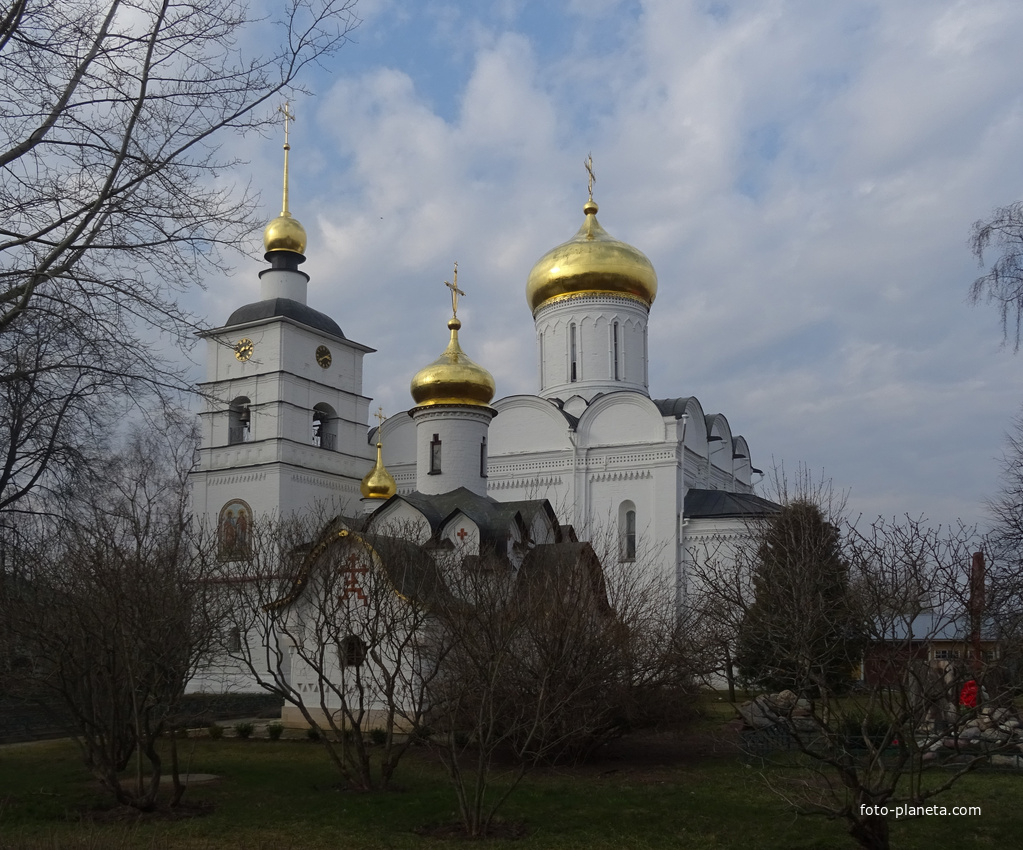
<point x="287" y="424"/>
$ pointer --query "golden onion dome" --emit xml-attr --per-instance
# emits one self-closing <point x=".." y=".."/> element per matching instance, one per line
<point x="591" y="263"/>
<point x="453" y="378"/>
<point x="284" y="233"/>
<point x="378" y="483"/>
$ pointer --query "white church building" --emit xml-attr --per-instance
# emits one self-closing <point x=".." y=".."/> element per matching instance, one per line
<point x="286" y="425"/>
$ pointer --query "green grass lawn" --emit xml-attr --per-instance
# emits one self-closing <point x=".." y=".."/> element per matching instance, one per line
<point x="285" y="795"/>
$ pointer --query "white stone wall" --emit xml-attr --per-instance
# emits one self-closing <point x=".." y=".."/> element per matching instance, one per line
<point x="461" y="430"/>
<point x="594" y="318"/>
<point x="278" y="468"/>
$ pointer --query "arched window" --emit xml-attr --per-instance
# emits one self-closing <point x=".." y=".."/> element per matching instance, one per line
<point x="627" y="531"/>
<point x="483" y="458"/>
<point x="325" y="427"/>
<point x="352" y="652"/>
<point x="239" y="417"/>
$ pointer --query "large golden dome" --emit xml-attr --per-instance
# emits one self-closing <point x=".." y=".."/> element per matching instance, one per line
<point x="453" y="378"/>
<point x="284" y="233"/>
<point x="378" y="483"/>
<point x="591" y="263"/>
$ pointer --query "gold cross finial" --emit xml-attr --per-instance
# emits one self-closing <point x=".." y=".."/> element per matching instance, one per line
<point x="288" y="117"/>
<point x="588" y="162"/>
<point x="455" y="292"/>
<point x="380" y="416"/>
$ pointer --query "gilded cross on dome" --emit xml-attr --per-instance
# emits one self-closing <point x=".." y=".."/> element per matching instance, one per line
<point x="455" y="292"/>
<point x="380" y="416"/>
<point x="588" y="162"/>
<point x="288" y="116"/>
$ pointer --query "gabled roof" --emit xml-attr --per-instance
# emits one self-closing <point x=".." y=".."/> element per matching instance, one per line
<point x="707" y="504"/>
<point x="561" y="564"/>
<point x="491" y="516"/>
<point x="409" y="568"/>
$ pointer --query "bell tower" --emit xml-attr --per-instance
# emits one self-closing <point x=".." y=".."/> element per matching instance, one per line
<point x="284" y="423"/>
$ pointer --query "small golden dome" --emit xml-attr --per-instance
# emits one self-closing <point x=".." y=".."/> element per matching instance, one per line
<point x="378" y="483"/>
<point x="453" y="378"/>
<point x="591" y="263"/>
<point x="284" y="233"/>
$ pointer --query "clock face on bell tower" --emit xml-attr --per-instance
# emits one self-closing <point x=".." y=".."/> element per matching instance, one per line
<point x="243" y="349"/>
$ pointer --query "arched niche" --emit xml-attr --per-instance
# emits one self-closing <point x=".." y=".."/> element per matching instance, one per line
<point x="239" y="420"/>
<point x="324" y="423"/>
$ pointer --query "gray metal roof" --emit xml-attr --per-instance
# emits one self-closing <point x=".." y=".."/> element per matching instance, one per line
<point x="273" y="308"/>
<point x="705" y="504"/>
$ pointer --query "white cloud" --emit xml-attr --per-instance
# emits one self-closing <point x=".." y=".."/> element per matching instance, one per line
<point x="803" y="176"/>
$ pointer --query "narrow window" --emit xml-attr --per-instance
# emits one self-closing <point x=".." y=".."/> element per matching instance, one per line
<point x="435" y="455"/>
<point x="572" y="357"/>
<point x="483" y="458"/>
<point x="614" y="344"/>
<point x="234" y="640"/>
<point x="629" y="550"/>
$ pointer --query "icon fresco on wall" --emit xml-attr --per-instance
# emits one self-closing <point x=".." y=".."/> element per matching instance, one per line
<point x="234" y="530"/>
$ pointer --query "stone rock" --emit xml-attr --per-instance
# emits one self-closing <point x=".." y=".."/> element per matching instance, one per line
<point x="758" y="713"/>
<point x="784" y="700"/>
<point x="994" y="736"/>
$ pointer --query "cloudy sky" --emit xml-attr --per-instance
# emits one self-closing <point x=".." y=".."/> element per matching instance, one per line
<point x="803" y="175"/>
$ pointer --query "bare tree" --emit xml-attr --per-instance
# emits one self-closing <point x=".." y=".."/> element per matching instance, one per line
<point x="1005" y="543"/>
<point x="718" y="598"/>
<point x="55" y="408"/>
<point x="550" y="661"/>
<point x="112" y="197"/>
<point x="909" y="733"/>
<point x="110" y="610"/>
<point x="341" y="630"/>
<point x="1002" y="284"/>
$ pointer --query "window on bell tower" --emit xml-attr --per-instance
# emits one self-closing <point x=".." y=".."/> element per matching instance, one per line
<point x="239" y="418"/>
<point x="325" y="427"/>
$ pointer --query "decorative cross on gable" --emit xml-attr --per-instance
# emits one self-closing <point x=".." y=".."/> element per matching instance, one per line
<point x="461" y="534"/>
<point x="353" y="574"/>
